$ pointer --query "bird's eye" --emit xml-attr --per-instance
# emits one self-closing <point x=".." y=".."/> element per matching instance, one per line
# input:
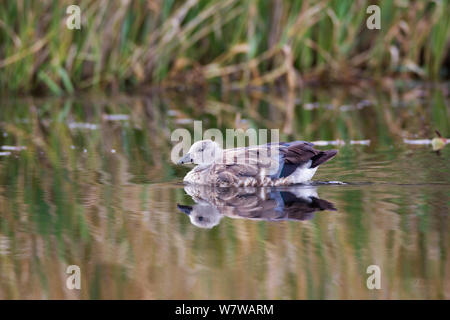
<point x="200" y="218"/>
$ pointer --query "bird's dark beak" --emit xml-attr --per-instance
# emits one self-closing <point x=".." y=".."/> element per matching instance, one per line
<point x="185" y="209"/>
<point x="185" y="159"/>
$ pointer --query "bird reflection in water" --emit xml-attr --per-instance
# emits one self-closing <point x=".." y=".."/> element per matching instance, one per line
<point x="269" y="204"/>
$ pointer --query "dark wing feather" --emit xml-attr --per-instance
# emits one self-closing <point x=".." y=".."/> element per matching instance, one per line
<point x="322" y="157"/>
<point x="299" y="152"/>
<point x="291" y="155"/>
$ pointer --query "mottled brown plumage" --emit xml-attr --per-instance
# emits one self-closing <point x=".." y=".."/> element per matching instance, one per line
<point x="266" y="165"/>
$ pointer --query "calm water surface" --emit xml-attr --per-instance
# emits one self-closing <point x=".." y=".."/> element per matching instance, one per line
<point x="89" y="182"/>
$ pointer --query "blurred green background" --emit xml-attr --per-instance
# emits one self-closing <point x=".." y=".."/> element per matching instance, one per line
<point x="128" y="44"/>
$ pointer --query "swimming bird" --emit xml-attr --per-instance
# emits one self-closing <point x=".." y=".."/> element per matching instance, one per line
<point x="272" y="164"/>
<point x="296" y="203"/>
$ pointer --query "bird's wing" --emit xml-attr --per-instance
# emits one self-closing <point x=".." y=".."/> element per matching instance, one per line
<point x="276" y="160"/>
<point x="298" y="152"/>
<point x="263" y="160"/>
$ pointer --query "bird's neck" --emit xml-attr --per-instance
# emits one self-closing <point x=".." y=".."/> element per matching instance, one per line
<point x="218" y="156"/>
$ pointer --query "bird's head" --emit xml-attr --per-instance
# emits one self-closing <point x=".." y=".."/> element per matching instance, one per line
<point x="202" y="152"/>
<point x="202" y="215"/>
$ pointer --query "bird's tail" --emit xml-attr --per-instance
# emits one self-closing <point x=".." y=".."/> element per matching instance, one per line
<point x="322" y="157"/>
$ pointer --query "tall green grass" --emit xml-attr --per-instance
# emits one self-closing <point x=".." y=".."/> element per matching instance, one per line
<point x="125" y="44"/>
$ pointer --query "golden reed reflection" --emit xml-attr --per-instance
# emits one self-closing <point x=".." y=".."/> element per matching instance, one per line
<point x="67" y="199"/>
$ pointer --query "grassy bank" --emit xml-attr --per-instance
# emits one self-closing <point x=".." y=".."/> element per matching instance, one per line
<point x="127" y="44"/>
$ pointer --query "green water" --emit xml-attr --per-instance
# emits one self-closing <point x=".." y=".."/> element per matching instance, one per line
<point x="101" y="193"/>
